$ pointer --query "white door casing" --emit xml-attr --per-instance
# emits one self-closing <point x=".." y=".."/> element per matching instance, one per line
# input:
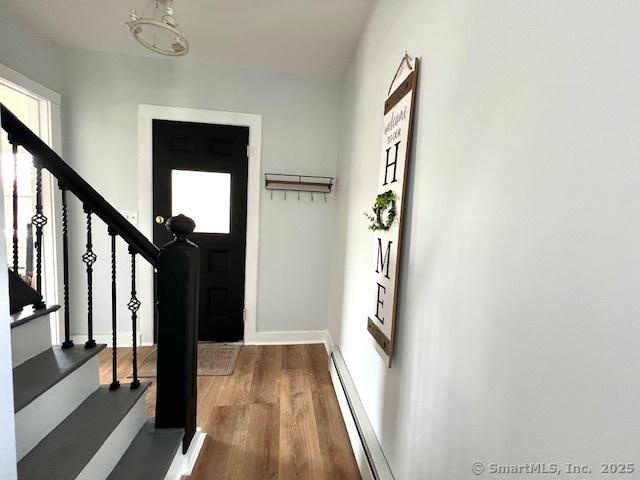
<point x="146" y="115"/>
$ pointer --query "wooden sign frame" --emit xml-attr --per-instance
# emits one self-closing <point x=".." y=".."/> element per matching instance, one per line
<point x="398" y="127"/>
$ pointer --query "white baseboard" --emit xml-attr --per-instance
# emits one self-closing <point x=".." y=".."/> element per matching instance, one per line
<point x="123" y="339"/>
<point x="369" y="456"/>
<point x="328" y="342"/>
<point x="287" y="338"/>
<point x="182" y="464"/>
<point x="303" y="337"/>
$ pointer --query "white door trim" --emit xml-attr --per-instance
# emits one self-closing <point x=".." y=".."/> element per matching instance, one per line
<point x="146" y="114"/>
<point x="30" y="87"/>
<point x="51" y="134"/>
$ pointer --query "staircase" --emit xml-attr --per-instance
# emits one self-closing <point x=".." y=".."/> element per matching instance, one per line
<point x="67" y="425"/>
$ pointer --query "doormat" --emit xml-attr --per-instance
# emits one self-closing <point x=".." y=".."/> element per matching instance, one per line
<point x="214" y="359"/>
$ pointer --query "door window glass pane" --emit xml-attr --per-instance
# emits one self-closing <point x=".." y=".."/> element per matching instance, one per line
<point x="203" y="196"/>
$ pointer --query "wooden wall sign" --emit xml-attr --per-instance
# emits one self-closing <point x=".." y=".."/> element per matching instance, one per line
<point x="387" y="210"/>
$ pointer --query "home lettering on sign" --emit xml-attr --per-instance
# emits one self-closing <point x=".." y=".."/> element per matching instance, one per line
<point x="388" y="212"/>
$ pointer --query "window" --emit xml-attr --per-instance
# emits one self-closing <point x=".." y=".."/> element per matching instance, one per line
<point x="203" y="196"/>
<point x="28" y="109"/>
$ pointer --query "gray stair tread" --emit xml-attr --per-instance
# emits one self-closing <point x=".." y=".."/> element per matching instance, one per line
<point x="29" y="314"/>
<point x="150" y="454"/>
<point x="38" y="374"/>
<point x="71" y="445"/>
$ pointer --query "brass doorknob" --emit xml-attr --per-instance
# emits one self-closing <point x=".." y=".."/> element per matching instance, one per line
<point x="160" y="219"/>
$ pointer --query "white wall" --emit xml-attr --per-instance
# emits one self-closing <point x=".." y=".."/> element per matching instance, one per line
<point x="28" y="52"/>
<point x="299" y="135"/>
<point x="8" y="432"/>
<point x="34" y="56"/>
<point x="100" y="95"/>
<point x="518" y="326"/>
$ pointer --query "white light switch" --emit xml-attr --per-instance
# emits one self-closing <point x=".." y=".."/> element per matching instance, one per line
<point x="131" y="215"/>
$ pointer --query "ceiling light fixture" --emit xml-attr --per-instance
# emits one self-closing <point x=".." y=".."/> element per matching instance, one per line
<point x="158" y="31"/>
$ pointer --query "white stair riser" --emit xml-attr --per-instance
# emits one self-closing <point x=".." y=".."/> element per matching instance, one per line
<point x="30" y="339"/>
<point x="105" y="459"/>
<point x="40" y="417"/>
<point x="183" y="463"/>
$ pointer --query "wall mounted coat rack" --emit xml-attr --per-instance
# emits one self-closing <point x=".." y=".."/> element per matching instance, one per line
<point x="298" y="183"/>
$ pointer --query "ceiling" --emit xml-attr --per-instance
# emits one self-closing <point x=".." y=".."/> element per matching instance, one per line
<point x="303" y="37"/>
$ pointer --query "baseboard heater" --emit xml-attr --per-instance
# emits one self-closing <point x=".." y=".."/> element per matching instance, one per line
<point x="371" y="461"/>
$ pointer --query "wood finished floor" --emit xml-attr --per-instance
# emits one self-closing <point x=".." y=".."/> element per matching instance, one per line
<point x="276" y="417"/>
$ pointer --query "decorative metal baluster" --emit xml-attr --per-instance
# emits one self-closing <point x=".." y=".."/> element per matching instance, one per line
<point x="114" y="358"/>
<point x="15" y="207"/>
<point x="68" y="343"/>
<point x="133" y="306"/>
<point x="39" y="221"/>
<point x="89" y="258"/>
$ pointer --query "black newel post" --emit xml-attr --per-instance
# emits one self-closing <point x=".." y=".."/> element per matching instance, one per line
<point x="178" y="292"/>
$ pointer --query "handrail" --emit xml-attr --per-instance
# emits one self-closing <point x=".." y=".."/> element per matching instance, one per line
<point x="69" y="179"/>
<point x="176" y="302"/>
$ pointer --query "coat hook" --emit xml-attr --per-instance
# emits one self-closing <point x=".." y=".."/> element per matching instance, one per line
<point x="325" y="198"/>
<point x="271" y="194"/>
<point x="285" y="194"/>
<point x="312" y="196"/>
<point x="298" y="195"/>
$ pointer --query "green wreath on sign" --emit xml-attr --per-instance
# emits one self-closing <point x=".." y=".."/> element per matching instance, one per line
<point x="385" y="203"/>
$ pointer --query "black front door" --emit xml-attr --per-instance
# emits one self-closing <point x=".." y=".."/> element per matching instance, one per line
<point x="200" y="170"/>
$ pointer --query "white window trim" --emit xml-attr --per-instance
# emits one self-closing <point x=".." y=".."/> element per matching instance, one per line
<point x="51" y="125"/>
<point x="146" y="115"/>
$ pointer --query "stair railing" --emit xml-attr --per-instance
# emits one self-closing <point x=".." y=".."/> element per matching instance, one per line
<point x="177" y="275"/>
